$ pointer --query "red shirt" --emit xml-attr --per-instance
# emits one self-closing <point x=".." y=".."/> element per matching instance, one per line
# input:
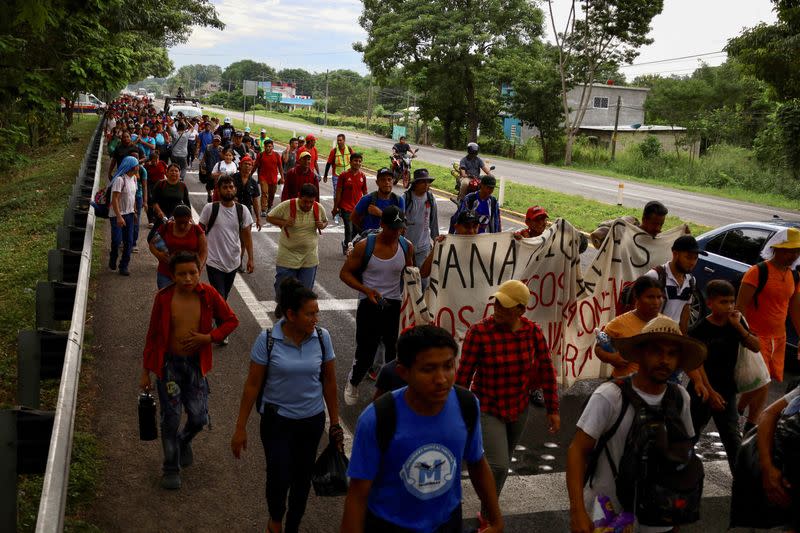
<point x="267" y="167"/>
<point x="351" y="186"/>
<point x="502" y="367"/>
<point x="188" y="243"/>
<point x="339" y="161"/>
<point x="155" y="173"/>
<point x="212" y="306"/>
<point x="294" y="180"/>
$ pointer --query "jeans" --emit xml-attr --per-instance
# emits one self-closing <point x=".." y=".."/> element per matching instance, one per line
<point x="222" y="281"/>
<point x="348" y="226"/>
<point x="727" y="422"/>
<point x="334" y="181"/>
<point x="306" y="276"/>
<point x="373" y="325"/>
<point x="290" y="448"/>
<point x="139" y="205"/>
<point x="162" y="280"/>
<point x="191" y="145"/>
<point x="181" y="162"/>
<point x="124" y="236"/>
<point x="183" y="386"/>
<point x="499" y="440"/>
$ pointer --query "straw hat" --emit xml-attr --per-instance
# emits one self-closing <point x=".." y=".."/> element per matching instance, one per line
<point x="662" y="328"/>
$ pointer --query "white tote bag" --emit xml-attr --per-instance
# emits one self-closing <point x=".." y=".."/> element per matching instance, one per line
<point x="751" y="371"/>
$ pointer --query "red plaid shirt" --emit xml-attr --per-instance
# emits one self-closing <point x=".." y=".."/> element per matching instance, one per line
<point x="502" y="367"/>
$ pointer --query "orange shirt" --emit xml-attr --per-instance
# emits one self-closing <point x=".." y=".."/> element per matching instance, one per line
<point x="352" y="186"/>
<point x="625" y="325"/>
<point x="769" y="320"/>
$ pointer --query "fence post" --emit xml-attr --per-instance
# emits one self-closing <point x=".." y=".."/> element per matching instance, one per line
<point x="8" y="470"/>
<point x="502" y="195"/>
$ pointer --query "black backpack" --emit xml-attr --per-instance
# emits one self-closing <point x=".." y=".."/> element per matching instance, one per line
<point x="270" y="340"/>
<point x="658" y="478"/>
<point x="215" y="214"/>
<point x="763" y="275"/>
<point x="386" y="416"/>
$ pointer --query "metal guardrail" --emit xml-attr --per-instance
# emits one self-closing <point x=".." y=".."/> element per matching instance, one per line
<point x="56" y="478"/>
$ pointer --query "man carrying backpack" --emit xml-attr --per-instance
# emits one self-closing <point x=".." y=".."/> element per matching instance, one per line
<point x="367" y="213"/>
<point x="301" y="221"/>
<point x="634" y="440"/>
<point x="405" y="469"/>
<point x="350" y="187"/>
<point x="375" y="269"/>
<point x="227" y="226"/>
<point x="677" y="279"/>
<point x="421" y="216"/>
<point x="484" y="204"/>
<point x="297" y="176"/>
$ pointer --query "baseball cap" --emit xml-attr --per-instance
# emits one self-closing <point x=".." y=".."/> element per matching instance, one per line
<point x="393" y="217"/>
<point x="227" y="120"/>
<point x="310" y="137"/>
<point x="687" y="243"/>
<point x="468" y="217"/>
<point x="384" y="170"/>
<point x="304" y="154"/>
<point x="247" y="129"/>
<point x="246" y="159"/>
<point x="238" y="133"/>
<point x="489" y="181"/>
<point x="535" y="212"/>
<point x="512" y="293"/>
<point x="301" y="138"/>
<point x="263" y="130"/>
<point x="217" y="138"/>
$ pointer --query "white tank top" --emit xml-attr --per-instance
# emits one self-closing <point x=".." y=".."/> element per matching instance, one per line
<point x="385" y="275"/>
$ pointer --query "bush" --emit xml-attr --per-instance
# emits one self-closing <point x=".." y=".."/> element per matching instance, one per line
<point x="650" y="148"/>
<point x="257" y="107"/>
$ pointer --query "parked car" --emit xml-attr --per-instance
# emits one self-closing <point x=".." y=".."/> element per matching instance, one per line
<point x="733" y="249"/>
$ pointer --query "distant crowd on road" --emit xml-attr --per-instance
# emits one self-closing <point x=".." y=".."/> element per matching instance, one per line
<point x="437" y="408"/>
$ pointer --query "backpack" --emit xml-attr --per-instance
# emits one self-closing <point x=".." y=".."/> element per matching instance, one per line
<point x="215" y="214"/>
<point x="625" y="302"/>
<point x="373" y="199"/>
<point x="270" y="344"/>
<point x="407" y="198"/>
<point x="658" y="478"/>
<point x="371" y="235"/>
<point x="102" y="200"/>
<point x="469" y="204"/>
<point x="293" y="213"/>
<point x="386" y="416"/>
<point x="763" y="275"/>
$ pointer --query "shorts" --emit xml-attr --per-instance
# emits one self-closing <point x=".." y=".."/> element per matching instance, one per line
<point x="773" y="350"/>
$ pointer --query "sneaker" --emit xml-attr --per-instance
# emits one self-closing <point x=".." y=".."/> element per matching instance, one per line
<point x="224" y="342"/>
<point x="483" y="524"/>
<point x="537" y="398"/>
<point x="344" y="248"/>
<point x="150" y="225"/>
<point x="263" y="214"/>
<point x="350" y="393"/>
<point x="373" y="372"/>
<point x="112" y="264"/>
<point x="187" y="456"/>
<point x="171" y="481"/>
<point x="135" y="250"/>
<point x="124" y="272"/>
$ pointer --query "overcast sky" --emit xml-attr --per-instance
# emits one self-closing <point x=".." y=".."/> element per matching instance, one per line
<point x="317" y="35"/>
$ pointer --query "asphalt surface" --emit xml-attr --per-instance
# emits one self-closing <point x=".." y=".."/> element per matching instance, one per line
<point x="223" y="494"/>
<point x="701" y="209"/>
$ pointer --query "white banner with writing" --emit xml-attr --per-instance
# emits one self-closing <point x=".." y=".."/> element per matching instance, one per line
<point x="568" y="304"/>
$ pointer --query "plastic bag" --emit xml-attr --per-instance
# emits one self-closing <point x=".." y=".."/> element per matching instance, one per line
<point x="330" y="472"/>
<point x="751" y="371"/>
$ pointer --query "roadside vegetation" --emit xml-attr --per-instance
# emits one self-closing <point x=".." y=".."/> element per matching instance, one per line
<point x="33" y="194"/>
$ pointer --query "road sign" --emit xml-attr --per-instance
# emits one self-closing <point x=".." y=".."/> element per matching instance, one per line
<point x="250" y="88"/>
<point x="273" y="97"/>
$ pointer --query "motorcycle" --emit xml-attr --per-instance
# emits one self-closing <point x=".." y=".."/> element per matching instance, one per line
<point x="474" y="183"/>
<point x="401" y="167"/>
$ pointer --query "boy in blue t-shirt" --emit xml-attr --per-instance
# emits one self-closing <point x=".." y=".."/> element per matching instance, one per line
<point x="415" y="485"/>
<point x="367" y="213"/>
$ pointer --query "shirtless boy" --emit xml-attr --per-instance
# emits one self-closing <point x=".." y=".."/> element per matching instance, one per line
<point x="178" y="352"/>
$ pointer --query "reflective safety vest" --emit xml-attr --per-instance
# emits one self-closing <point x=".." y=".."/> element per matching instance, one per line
<point x="342" y="158"/>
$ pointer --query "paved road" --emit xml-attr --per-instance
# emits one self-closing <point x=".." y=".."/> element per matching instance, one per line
<point x="535" y="497"/>
<point x="694" y="207"/>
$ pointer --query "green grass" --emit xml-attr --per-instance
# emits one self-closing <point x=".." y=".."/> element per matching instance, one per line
<point x="32" y="201"/>
<point x="582" y="213"/>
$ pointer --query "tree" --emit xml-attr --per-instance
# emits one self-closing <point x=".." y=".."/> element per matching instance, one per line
<point x="246" y="69"/>
<point x="598" y="35"/>
<point x="534" y="95"/>
<point x="444" y="40"/>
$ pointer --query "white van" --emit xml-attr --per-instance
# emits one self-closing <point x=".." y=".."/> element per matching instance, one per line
<point x="86" y="103"/>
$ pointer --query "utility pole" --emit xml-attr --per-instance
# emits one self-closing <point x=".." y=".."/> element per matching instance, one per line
<point x="229" y="85"/>
<point x="326" y="97"/>
<point x="616" y="125"/>
<point x="369" y="105"/>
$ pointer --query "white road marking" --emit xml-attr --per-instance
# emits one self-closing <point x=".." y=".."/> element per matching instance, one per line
<point x="324" y="305"/>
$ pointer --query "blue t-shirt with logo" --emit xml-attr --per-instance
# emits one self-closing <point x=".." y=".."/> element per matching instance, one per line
<point x="371" y="221"/>
<point x="416" y="484"/>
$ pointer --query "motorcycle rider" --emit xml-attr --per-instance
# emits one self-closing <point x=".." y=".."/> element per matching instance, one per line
<point x="470" y="167"/>
<point x="399" y="150"/>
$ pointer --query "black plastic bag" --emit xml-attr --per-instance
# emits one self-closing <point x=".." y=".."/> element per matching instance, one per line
<point x="330" y="472"/>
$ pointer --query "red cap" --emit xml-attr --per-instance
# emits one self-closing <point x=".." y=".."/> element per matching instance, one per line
<point x="535" y="212"/>
<point x="310" y="137"/>
<point x="246" y="159"/>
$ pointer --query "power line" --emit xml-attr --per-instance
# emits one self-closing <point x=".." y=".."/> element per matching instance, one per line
<point x="671" y="59"/>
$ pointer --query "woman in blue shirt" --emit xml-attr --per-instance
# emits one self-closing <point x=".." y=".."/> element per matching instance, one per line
<point x="292" y="371"/>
